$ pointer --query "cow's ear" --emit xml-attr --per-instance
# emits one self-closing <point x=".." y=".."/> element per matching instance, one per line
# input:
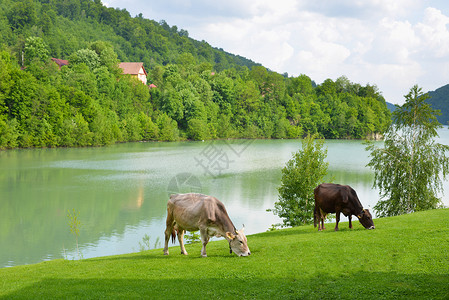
<point x="359" y="216"/>
<point x="230" y="235"/>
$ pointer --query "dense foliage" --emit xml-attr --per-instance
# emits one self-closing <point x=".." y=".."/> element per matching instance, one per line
<point x="202" y="92"/>
<point x="302" y="173"/>
<point x="408" y="169"/>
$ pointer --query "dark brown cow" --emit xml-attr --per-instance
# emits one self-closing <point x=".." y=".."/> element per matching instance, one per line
<point x="335" y="198"/>
<point x="207" y="214"/>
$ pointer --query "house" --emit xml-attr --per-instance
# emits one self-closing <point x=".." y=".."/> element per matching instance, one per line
<point x="60" y="62"/>
<point x="134" y="69"/>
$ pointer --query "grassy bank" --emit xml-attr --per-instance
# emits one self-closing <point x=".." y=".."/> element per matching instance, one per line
<point x="405" y="257"/>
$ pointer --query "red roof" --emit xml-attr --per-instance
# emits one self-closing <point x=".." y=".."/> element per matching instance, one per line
<point x="132" y="68"/>
<point x="60" y="62"/>
<point x="151" y="86"/>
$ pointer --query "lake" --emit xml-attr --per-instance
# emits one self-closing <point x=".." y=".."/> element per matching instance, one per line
<point x="121" y="191"/>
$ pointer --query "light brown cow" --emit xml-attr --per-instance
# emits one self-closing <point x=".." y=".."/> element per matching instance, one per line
<point x="192" y="212"/>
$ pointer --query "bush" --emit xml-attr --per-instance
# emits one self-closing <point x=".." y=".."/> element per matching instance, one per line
<point x="302" y="173"/>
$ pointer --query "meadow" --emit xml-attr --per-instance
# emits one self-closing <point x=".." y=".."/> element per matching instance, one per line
<point x="405" y="257"/>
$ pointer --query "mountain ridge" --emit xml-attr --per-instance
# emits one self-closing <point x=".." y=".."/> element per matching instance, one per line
<point x="438" y="99"/>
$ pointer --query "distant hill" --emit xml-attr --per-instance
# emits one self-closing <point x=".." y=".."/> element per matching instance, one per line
<point x="390" y="106"/>
<point x="70" y="25"/>
<point x="439" y="99"/>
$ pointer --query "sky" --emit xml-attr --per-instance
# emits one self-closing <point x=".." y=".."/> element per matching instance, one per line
<point x="393" y="44"/>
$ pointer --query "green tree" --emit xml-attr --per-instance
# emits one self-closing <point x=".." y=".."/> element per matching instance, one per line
<point x="35" y="49"/>
<point x="8" y="133"/>
<point x="22" y="14"/>
<point x="407" y="169"/>
<point x="168" y="128"/>
<point x="86" y="56"/>
<point x="302" y="173"/>
<point x="197" y="130"/>
<point x="107" y="56"/>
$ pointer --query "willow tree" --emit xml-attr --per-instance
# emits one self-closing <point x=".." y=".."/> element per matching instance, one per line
<point x="408" y="170"/>
<point x="302" y="173"/>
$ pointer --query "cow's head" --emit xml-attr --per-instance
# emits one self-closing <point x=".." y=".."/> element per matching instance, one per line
<point x="366" y="219"/>
<point x="238" y="243"/>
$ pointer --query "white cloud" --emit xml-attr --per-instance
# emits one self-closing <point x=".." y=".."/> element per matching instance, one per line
<point x="434" y="33"/>
<point x="393" y="44"/>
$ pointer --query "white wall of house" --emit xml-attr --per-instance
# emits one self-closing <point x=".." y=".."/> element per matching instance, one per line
<point x="141" y="76"/>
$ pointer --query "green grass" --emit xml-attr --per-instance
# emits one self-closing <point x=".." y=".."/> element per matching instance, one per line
<point x="405" y="257"/>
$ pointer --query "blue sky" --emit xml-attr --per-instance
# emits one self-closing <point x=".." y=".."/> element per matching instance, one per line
<point x="393" y="44"/>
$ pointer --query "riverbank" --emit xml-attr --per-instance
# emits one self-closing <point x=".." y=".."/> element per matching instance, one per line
<point x="404" y="257"/>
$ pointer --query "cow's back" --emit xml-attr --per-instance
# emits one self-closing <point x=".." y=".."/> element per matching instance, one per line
<point x="191" y="210"/>
<point x="328" y="196"/>
<point x="331" y="197"/>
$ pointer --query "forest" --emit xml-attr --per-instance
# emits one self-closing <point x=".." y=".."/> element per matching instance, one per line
<point x="201" y="92"/>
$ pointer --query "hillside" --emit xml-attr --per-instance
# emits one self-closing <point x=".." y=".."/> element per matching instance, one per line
<point x="194" y="91"/>
<point x="405" y="257"/>
<point x="67" y="26"/>
<point x="439" y="99"/>
<point x="391" y="107"/>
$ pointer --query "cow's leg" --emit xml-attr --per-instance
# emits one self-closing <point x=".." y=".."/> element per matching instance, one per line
<point x="321" y="223"/>
<point x="350" y="223"/>
<point x="181" y="232"/>
<point x="168" y="229"/>
<point x="322" y="215"/>
<point x="204" y="240"/>
<point x="337" y="219"/>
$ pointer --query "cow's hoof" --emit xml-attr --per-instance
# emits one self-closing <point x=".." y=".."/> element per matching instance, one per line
<point x="204" y="255"/>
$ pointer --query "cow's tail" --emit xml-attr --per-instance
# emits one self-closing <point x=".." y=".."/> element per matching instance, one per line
<point x="315" y="208"/>
<point x="173" y="233"/>
<point x="314" y="216"/>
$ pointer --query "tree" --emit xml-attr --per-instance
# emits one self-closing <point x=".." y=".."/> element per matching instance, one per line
<point x="107" y="56"/>
<point x="407" y="169"/>
<point x="22" y="14"/>
<point x="35" y="48"/>
<point x="86" y="56"/>
<point x="302" y="173"/>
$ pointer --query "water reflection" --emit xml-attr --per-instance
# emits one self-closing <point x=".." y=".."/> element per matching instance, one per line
<point x="121" y="191"/>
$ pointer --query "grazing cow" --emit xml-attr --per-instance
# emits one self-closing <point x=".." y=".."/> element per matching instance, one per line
<point x="207" y="214"/>
<point x="335" y="198"/>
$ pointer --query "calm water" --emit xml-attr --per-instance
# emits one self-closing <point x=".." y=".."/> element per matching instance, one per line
<point x="121" y="191"/>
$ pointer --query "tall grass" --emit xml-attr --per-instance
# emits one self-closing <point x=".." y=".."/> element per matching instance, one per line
<point x="405" y="257"/>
